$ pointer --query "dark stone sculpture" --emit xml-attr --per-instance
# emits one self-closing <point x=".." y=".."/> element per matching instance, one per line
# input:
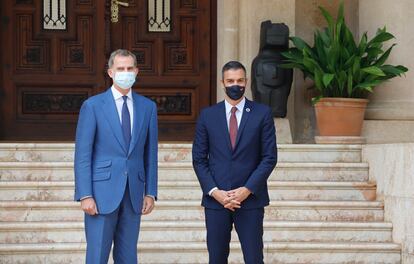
<point x="271" y="84"/>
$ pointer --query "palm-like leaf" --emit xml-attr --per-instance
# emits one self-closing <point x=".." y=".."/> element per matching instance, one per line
<point x="339" y="65"/>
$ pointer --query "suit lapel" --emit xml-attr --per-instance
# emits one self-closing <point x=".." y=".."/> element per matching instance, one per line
<point x="111" y="114"/>
<point x="223" y="123"/>
<point x="245" y="118"/>
<point x="138" y="120"/>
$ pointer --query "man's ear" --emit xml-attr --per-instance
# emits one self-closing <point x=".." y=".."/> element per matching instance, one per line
<point x="110" y="73"/>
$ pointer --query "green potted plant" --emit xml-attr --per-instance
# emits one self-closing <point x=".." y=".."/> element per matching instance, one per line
<point x="344" y="72"/>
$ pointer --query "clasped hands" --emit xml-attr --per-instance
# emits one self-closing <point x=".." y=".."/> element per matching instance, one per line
<point x="231" y="199"/>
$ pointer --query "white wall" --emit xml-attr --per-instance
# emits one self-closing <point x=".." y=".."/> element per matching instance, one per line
<point x="390" y="113"/>
<point x="394" y="99"/>
<point x="391" y="166"/>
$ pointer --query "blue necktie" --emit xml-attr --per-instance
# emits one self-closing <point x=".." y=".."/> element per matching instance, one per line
<point x="126" y="122"/>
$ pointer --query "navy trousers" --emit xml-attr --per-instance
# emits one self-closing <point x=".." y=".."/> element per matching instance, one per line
<point x="249" y="228"/>
<point x="120" y="227"/>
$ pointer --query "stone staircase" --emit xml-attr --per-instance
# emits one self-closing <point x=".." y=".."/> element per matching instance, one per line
<point x="323" y="209"/>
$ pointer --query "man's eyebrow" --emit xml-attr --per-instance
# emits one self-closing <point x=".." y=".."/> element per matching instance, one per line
<point x="239" y="79"/>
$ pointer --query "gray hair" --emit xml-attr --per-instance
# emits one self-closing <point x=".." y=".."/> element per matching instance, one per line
<point x="121" y="52"/>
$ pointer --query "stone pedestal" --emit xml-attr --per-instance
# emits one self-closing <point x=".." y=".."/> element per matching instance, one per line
<point x="339" y="140"/>
<point x="283" y="133"/>
<point x="388" y="131"/>
<point x="391" y="167"/>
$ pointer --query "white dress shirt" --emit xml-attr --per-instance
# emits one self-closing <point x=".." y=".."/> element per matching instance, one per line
<point x="239" y="114"/>
<point x="119" y="101"/>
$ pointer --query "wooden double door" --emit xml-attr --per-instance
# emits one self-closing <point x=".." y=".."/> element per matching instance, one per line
<point x="46" y="74"/>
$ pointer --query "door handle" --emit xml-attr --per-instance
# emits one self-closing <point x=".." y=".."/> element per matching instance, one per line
<point x="121" y="3"/>
<point x="115" y="9"/>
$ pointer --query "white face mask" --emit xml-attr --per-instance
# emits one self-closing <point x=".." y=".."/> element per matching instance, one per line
<point x="124" y="80"/>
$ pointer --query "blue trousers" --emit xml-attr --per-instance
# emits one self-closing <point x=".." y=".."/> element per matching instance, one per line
<point x="249" y="228"/>
<point x="120" y="227"/>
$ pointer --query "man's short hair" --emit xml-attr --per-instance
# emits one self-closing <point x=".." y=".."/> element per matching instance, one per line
<point x="121" y="52"/>
<point x="232" y="65"/>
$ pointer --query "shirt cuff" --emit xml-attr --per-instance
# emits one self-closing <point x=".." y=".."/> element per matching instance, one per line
<point x="152" y="196"/>
<point x="83" y="198"/>
<point x="212" y="190"/>
<point x="249" y="190"/>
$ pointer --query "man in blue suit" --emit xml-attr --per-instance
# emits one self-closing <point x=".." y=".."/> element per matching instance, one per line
<point x="234" y="152"/>
<point x="116" y="164"/>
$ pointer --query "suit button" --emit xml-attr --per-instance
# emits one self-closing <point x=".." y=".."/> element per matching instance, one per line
<point x="125" y="173"/>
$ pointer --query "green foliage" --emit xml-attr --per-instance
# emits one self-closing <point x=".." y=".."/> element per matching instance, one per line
<point x="339" y="66"/>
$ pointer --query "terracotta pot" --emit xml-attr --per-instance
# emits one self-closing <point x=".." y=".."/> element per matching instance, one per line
<point x="340" y="116"/>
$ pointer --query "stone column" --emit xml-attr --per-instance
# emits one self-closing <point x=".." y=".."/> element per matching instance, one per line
<point x="227" y="37"/>
<point x="238" y="36"/>
<point x="390" y="113"/>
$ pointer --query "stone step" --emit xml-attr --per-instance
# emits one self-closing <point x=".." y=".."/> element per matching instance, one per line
<point x="194" y="231"/>
<point x="369" y="211"/>
<point x="170" y="152"/>
<point x="183" y="171"/>
<point x="190" y="190"/>
<point x="193" y="252"/>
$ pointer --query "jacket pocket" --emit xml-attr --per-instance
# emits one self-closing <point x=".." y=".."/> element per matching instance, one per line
<point x="103" y="164"/>
<point x="101" y="176"/>
<point x="102" y="170"/>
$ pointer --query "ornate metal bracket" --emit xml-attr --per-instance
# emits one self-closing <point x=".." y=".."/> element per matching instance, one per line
<point x="115" y="9"/>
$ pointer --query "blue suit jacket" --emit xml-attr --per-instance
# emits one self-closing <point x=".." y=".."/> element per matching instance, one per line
<point x="249" y="164"/>
<point x="102" y="163"/>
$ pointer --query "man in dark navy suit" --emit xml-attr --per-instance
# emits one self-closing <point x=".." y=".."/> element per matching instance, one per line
<point x="234" y="152"/>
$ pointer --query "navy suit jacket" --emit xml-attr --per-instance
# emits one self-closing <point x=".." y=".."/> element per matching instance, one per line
<point x="103" y="165"/>
<point x="249" y="164"/>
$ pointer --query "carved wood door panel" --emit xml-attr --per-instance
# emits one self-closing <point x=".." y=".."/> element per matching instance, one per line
<point x="175" y="67"/>
<point x="47" y="74"/>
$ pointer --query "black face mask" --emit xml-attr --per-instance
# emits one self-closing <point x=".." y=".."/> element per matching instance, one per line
<point x="235" y="92"/>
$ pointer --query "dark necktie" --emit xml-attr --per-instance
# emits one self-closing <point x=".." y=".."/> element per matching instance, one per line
<point x="233" y="127"/>
<point x="126" y="122"/>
